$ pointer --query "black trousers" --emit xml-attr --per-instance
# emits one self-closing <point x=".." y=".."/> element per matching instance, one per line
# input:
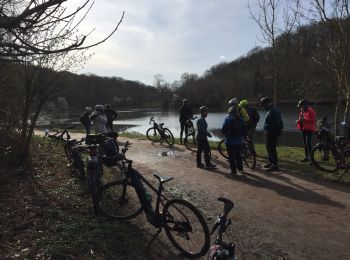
<point x="271" y="144"/>
<point x="203" y="146"/>
<point x="234" y="157"/>
<point x="109" y="125"/>
<point x="183" y="126"/>
<point x="307" y="139"/>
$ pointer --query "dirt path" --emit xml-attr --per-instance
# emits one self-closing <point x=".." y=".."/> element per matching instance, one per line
<point x="276" y="215"/>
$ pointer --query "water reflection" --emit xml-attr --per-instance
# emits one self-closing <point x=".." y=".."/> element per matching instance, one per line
<point x="137" y="120"/>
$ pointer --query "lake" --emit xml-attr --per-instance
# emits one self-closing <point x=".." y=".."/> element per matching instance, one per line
<point x="137" y="120"/>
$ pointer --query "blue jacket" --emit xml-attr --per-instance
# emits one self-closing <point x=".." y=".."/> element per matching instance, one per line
<point x="273" y="123"/>
<point x="233" y="137"/>
<point x="202" y="128"/>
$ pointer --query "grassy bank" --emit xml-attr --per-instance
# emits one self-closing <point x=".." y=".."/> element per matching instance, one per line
<point x="47" y="214"/>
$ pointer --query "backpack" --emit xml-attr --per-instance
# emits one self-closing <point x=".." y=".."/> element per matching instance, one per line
<point x="254" y="116"/>
<point x="111" y="152"/>
<point x="236" y="127"/>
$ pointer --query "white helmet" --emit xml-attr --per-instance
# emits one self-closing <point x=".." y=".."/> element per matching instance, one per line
<point x="233" y="102"/>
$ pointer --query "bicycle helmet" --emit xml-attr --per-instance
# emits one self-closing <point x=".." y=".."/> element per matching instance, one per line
<point x="265" y="100"/>
<point x="233" y="102"/>
<point x="99" y="108"/>
<point x="203" y="109"/>
<point x="243" y="103"/>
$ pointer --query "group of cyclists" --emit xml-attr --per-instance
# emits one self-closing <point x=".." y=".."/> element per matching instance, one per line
<point x="239" y="125"/>
<point x="102" y="117"/>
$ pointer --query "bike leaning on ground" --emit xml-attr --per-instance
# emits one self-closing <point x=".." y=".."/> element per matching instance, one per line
<point x="247" y="152"/>
<point x="221" y="250"/>
<point x="183" y="223"/>
<point x="159" y="134"/>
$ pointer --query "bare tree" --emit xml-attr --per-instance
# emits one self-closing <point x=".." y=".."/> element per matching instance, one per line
<point x="333" y="44"/>
<point x="31" y="27"/>
<point x="274" y="18"/>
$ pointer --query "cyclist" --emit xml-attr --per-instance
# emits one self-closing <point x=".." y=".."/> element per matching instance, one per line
<point x="202" y="140"/>
<point x="99" y="119"/>
<point x="254" y="118"/>
<point x="85" y="120"/>
<point x="111" y="116"/>
<point x="185" y="114"/>
<point x="273" y="126"/>
<point x="241" y="110"/>
<point x="234" y="130"/>
<point x="306" y="123"/>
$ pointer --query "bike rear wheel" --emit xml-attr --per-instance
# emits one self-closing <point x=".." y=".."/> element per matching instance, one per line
<point x="78" y="164"/>
<point x="186" y="228"/>
<point x="191" y="142"/>
<point x="248" y="156"/>
<point x="68" y="152"/>
<point x="222" y="149"/>
<point x="118" y="200"/>
<point x="168" y="136"/>
<point x="153" y="135"/>
<point x="323" y="156"/>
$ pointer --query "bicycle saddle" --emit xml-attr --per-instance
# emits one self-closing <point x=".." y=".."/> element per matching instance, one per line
<point x="161" y="124"/>
<point x="228" y="204"/>
<point x="162" y="179"/>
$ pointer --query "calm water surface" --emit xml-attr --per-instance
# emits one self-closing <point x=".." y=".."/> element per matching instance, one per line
<point x="137" y="120"/>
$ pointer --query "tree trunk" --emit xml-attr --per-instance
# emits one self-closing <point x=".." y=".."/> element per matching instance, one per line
<point x="275" y="82"/>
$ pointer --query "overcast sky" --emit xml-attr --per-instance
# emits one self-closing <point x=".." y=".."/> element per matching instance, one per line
<point x="168" y="37"/>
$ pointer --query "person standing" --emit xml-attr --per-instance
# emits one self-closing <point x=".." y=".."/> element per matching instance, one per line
<point x="273" y="126"/>
<point x="235" y="131"/>
<point x="306" y="123"/>
<point x="99" y="119"/>
<point x="185" y="114"/>
<point x="251" y="124"/>
<point x="111" y="116"/>
<point x="202" y="140"/>
<point x="85" y="120"/>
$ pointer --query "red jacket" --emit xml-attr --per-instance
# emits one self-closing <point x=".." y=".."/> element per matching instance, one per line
<point x="309" y="123"/>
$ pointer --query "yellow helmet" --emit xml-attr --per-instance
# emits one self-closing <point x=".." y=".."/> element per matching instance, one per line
<point x="243" y="103"/>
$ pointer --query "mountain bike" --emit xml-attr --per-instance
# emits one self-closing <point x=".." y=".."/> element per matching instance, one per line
<point x="332" y="156"/>
<point x="221" y="250"/>
<point x="62" y="136"/>
<point x="247" y="152"/>
<point x="95" y="161"/>
<point x="72" y="149"/>
<point x="183" y="223"/>
<point x="190" y="139"/>
<point x="159" y="134"/>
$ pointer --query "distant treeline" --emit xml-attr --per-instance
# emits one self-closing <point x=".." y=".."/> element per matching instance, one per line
<point x="251" y="76"/>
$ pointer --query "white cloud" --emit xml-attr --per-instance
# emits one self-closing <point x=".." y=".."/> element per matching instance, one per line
<point x="167" y="37"/>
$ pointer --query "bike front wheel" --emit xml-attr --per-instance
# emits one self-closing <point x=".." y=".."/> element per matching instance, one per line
<point x="186" y="228"/>
<point x="153" y="135"/>
<point x="191" y="142"/>
<point x="222" y="149"/>
<point x="248" y="156"/>
<point x="118" y="200"/>
<point x="324" y="157"/>
<point x="168" y="136"/>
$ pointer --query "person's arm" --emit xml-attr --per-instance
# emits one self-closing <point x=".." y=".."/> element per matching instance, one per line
<point x="224" y="127"/>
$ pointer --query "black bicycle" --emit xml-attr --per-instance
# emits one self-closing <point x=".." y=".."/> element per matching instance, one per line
<point x="72" y="149"/>
<point x="221" y="250"/>
<point x="159" y="134"/>
<point x="97" y="147"/>
<point x="63" y="136"/>
<point x="331" y="156"/>
<point x="190" y="139"/>
<point x="247" y="152"/>
<point x="183" y="223"/>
